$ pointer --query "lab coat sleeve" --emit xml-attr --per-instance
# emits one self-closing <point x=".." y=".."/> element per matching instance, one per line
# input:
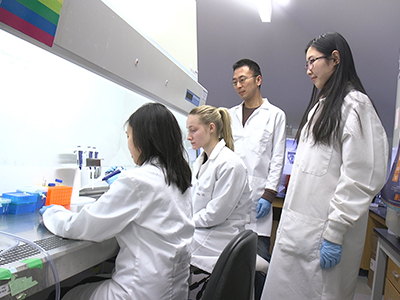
<point x="363" y="170"/>
<point x="102" y="220"/>
<point x="278" y="152"/>
<point x="231" y="181"/>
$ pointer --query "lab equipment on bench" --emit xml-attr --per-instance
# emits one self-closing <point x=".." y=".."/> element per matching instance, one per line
<point x="390" y="194"/>
<point x="40" y="192"/>
<point x="4" y="204"/>
<point x="78" y="202"/>
<point x="20" y="202"/>
<point x="111" y="173"/>
<point x="60" y="195"/>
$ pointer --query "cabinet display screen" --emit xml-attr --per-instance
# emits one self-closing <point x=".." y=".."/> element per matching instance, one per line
<point x="192" y="98"/>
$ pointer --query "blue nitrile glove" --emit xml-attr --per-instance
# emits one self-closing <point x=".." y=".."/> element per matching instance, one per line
<point x="44" y="208"/>
<point x="113" y="178"/>
<point x="330" y="254"/>
<point x="263" y="208"/>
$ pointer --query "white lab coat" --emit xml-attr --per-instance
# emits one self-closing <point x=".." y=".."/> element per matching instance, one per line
<point x="261" y="145"/>
<point x="329" y="194"/>
<point x="221" y="204"/>
<point x="153" y="225"/>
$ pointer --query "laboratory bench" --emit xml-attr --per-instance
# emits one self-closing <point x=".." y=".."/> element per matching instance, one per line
<point x="28" y="267"/>
<point x="72" y="257"/>
<point x="376" y="219"/>
<point x="387" y="270"/>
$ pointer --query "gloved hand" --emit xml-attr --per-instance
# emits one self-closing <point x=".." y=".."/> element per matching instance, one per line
<point x="330" y="254"/>
<point x="263" y="208"/>
<point x="113" y="178"/>
<point x="44" y="208"/>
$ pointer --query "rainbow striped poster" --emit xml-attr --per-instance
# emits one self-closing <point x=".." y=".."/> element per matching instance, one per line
<point x="35" y="18"/>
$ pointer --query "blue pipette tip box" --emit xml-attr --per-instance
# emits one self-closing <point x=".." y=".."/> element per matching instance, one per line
<point x="40" y="196"/>
<point x="4" y="205"/>
<point x="20" y="202"/>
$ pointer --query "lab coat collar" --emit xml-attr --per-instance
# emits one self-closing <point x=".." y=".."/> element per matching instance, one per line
<point x="217" y="149"/>
<point x="199" y="166"/>
<point x="265" y="105"/>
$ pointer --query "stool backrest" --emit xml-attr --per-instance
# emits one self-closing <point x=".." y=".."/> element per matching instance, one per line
<point x="234" y="272"/>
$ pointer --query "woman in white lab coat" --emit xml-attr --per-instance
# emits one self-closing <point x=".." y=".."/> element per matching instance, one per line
<point x="340" y="165"/>
<point x="221" y="193"/>
<point x="147" y="209"/>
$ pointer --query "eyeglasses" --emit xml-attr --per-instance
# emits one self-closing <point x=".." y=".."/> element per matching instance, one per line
<point x="310" y="63"/>
<point x="241" y="80"/>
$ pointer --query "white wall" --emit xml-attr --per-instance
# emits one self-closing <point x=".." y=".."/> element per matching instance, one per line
<point x="48" y="106"/>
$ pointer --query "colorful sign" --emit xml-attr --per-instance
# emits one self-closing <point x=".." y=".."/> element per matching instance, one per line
<point x="35" y="18"/>
<point x="391" y="190"/>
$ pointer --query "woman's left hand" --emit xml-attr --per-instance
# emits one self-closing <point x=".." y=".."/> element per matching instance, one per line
<point x="330" y="254"/>
<point x="263" y="208"/>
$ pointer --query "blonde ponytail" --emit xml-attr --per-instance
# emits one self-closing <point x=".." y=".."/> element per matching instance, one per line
<point x="226" y="132"/>
<point x="220" y="117"/>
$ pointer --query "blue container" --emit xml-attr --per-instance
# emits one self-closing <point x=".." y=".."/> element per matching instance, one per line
<point x="22" y="208"/>
<point x="41" y="201"/>
<point x="4" y="206"/>
<point x="40" y="196"/>
<point x="20" y="202"/>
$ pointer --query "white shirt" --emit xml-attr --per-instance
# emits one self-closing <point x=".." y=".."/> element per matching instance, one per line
<point x="221" y="204"/>
<point x="153" y="225"/>
<point x="261" y="145"/>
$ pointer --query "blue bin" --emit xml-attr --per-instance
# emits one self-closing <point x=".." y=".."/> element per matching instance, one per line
<point x="20" y="202"/>
<point x="4" y="206"/>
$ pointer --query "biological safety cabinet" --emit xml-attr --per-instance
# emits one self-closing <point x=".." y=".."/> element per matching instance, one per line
<point x="54" y="108"/>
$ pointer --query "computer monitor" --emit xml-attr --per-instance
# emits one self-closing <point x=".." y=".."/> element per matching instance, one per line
<point x="390" y="195"/>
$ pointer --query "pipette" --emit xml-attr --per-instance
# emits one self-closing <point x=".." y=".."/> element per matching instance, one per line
<point x="79" y="157"/>
<point x="115" y="172"/>
<point x="107" y="176"/>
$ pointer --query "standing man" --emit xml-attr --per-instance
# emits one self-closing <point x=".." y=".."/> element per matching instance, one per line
<point x="259" y="133"/>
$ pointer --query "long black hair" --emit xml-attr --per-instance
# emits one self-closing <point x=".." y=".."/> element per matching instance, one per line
<point x="343" y="79"/>
<point x="156" y="134"/>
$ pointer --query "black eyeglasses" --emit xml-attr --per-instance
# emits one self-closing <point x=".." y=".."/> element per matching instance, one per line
<point x="241" y="80"/>
<point x="310" y="63"/>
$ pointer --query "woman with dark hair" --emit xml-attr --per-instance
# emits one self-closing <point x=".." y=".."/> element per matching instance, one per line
<point x="340" y="165"/>
<point x="147" y="209"/>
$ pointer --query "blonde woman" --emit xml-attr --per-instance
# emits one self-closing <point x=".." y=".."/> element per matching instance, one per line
<point x="221" y="193"/>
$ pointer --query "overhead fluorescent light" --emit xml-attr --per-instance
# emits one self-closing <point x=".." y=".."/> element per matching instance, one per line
<point x="282" y="2"/>
<point x="265" y="10"/>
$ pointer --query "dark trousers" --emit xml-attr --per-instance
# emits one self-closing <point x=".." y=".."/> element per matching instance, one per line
<point x="263" y="249"/>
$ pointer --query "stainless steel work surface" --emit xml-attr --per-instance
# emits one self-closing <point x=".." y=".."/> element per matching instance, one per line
<point x="70" y="256"/>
